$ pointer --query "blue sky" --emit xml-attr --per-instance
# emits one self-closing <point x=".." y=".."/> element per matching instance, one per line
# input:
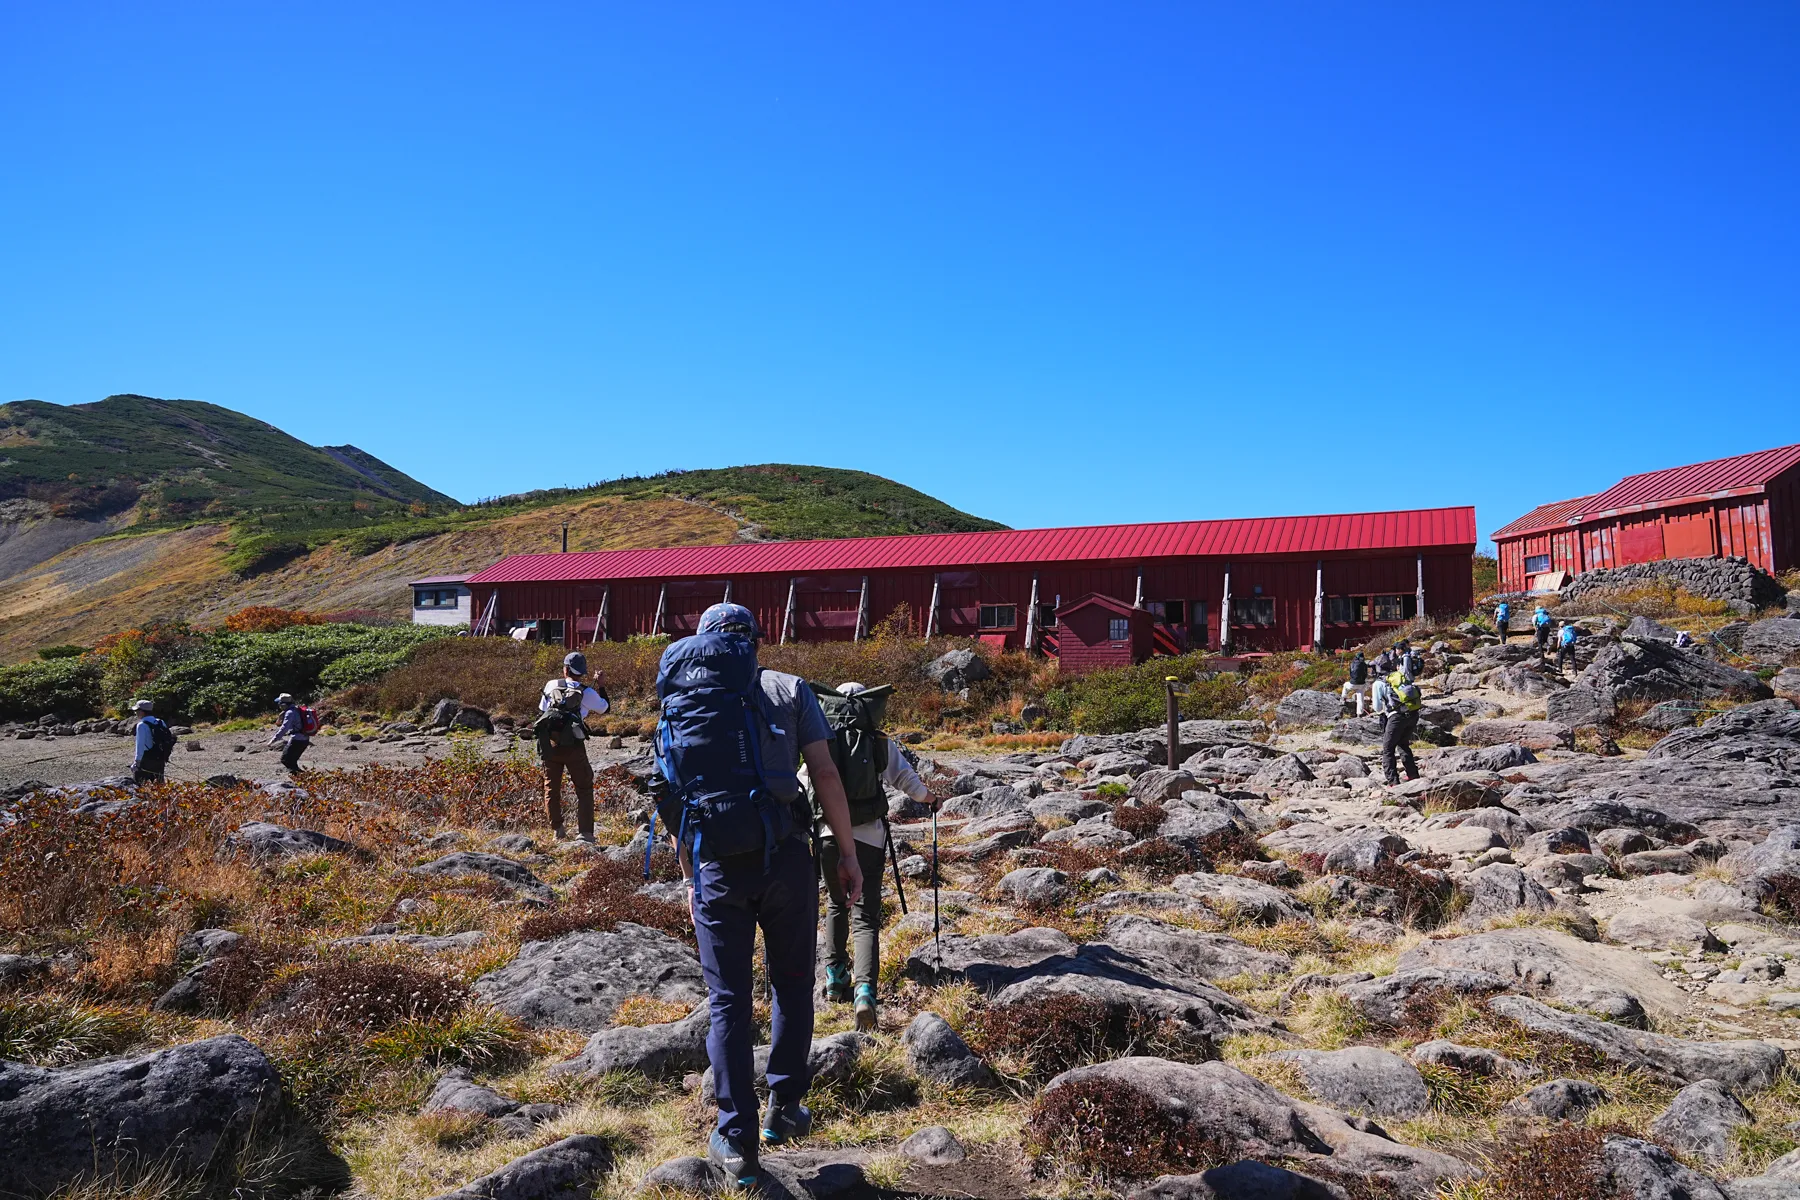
<point x="1054" y="263"/>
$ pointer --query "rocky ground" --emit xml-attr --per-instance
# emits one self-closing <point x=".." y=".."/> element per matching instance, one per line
<point x="1563" y="961"/>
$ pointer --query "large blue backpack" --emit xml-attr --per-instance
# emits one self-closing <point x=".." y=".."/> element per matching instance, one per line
<point x="709" y="750"/>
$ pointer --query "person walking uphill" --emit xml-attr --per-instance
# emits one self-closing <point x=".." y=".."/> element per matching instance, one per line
<point x="1502" y="616"/>
<point x="1565" y="646"/>
<point x="1358" y="683"/>
<point x="728" y="749"/>
<point x="1396" y="735"/>
<point x="298" y="724"/>
<point x="866" y="761"/>
<point x="155" y="742"/>
<point x="562" y="743"/>
<point x="1541" y="624"/>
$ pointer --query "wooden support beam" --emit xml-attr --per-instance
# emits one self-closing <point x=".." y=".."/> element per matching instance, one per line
<point x="1225" y="616"/>
<point x="931" y="614"/>
<point x="662" y="596"/>
<point x="862" y="612"/>
<point x="1319" y="604"/>
<point x="1031" y="618"/>
<point x="787" y="616"/>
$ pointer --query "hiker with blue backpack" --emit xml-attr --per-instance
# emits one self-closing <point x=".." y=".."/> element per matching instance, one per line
<point x="868" y="762"/>
<point x="154" y="743"/>
<point x="729" y="748"/>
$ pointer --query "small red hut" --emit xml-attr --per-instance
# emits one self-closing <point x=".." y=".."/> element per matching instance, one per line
<point x="1098" y="631"/>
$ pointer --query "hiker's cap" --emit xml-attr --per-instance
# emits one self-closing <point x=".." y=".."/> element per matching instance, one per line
<point x="140" y="706"/>
<point x="575" y="663"/>
<point x="729" y="618"/>
<point x="850" y="689"/>
<point x="284" y="698"/>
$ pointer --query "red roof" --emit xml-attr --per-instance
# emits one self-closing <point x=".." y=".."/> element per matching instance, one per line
<point x="1544" y="516"/>
<point x="429" y="579"/>
<point x="1699" y="481"/>
<point x="1415" y="528"/>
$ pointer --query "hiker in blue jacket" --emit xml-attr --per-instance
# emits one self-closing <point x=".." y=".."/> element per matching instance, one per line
<point x="1542" y="624"/>
<point x="1565" y="645"/>
<point x="152" y="745"/>
<point x="1502" y="615"/>
<point x="773" y="888"/>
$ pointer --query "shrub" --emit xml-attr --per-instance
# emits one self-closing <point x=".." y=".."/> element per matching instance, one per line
<point x="1140" y="821"/>
<point x="1119" y="701"/>
<point x="1159" y="858"/>
<point x="1111" y="788"/>
<point x="264" y="618"/>
<point x="360" y="667"/>
<point x="371" y="996"/>
<point x="63" y="651"/>
<point x="237" y="674"/>
<point x="1118" y="1133"/>
<point x="68" y="687"/>
<point x="1059" y="1031"/>
<point x="1781" y="896"/>
<point x="475" y="1037"/>
<point x="608" y="894"/>
<point x="54" y="1033"/>
<point x="1562" y="1163"/>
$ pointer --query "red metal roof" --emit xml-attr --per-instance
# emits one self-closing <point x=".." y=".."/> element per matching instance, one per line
<point x="429" y="579"/>
<point x="1415" y="528"/>
<point x="1544" y="516"/>
<point x="1699" y="481"/>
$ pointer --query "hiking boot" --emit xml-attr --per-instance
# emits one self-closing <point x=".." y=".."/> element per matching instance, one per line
<point x="782" y="1123"/>
<point x="865" y="1007"/>
<point x="837" y="984"/>
<point x="739" y="1166"/>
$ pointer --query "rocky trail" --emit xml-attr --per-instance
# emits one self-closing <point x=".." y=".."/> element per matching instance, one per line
<point x="1258" y="972"/>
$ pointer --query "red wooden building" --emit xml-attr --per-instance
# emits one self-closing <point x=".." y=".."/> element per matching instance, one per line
<point x="1747" y="506"/>
<point x="1258" y="584"/>
<point x="1097" y="631"/>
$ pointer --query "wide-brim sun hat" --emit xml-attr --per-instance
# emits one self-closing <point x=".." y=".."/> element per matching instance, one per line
<point x="729" y="618"/>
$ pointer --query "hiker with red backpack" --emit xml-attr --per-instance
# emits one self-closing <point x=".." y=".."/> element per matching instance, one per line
<point x="298" y="724"/>
<point x="728" y="750"/>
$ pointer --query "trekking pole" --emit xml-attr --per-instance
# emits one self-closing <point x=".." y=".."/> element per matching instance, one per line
<point x="894" y="859"/>
<point x="937" y="944"/>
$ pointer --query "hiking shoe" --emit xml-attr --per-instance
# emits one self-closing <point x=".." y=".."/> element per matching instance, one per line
<point x="737" y="1165"/>
<point x="837" y="984"/>
<point x="783" y="1123"/>
<point x="865" y="1007"/>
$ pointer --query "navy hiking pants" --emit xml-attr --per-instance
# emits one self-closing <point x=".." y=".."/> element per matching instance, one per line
<point x="733" y="897"/>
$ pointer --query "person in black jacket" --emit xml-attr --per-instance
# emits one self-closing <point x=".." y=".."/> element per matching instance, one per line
<point x="1358" y="684"/>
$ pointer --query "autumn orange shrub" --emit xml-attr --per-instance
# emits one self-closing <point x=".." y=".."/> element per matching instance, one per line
<point x="266" y="618"/>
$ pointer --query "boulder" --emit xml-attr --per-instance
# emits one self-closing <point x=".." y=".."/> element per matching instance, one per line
<point x="1035" y="887"/>
<point x="16" y="970"/>
<point x="1512" y="828"/>
<point x="1669" y="861"/>
<point x="957" y="669"/>
<point x="1771" y="641"/>
<point x="1566" y="839"/>
<point x="1210" y="956"/>
<point x="423" y="943"/>
<point x="1533" y="735"/>
<point x="1361" y="1079"/>
<point x="1161" y="783"/>
<point x="565" y="1170"/>
<point x="1066" y="806"/>
<point x="1386" y="999"/>
<point x="1747" y="1065"/>
<point x="470" y="863"/>
<point x="1649" y="669"/>
<point x="988" y="962"/>
<point x="1289" y="768"/>
<point x="1451" y="793"/>
<point x="1245" y="1180"/>
<point x="1654" y="929"/>
<point x="828" y="1060"/>
<point x="1500" y="890"/>
<point x="472" y="718"/>
<point x="934" y="1146"/>
<point x="1304" y="707"/>
<point x="671" y="1049"/>
<point x="442" y="713"/>
<point x="1638" y="1170"/>
<point x="1700" y="1120"/>
<point x="1670" y="714"/>
<point x="1113" y="763"/>
<point x="1786" y="683"/>
<point x="1523" y="680"/>
<point x="1603" y="979"/>
<point x="457" y="1091"/>
<point x="177" y="1108"/>
<point x="1460" y="841"/>
<point x="938" y="1053"/>
<point x="1013" y="820"/>
<point x="1235" y="896"/>
<point x="265" y="840"/>
<point x="578" y="981"/>
<point x="1471" y="1060"/>
<point x="1579" y="706"/>
<point x="1559" y="1100"/>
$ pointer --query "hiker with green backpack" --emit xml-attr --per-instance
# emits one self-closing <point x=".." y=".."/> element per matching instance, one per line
<point x="866" y="760"/>
<point x="561" y="733"/>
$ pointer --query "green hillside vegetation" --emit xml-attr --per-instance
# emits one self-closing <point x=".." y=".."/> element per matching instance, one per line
<point x="185" y="460"/>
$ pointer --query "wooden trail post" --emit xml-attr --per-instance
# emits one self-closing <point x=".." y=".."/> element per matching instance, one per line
<point x="1174" y="723"/>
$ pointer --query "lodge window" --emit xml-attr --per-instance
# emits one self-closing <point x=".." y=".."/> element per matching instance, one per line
<point x="1537" y="564"/>
<point x="1118" y="629"/>
<point x="1395" y="608"/>
<point x="550" y="632"/>
<point x="1046" y="616"/>
<point x="1340" y="610"/>
<point x="1168" y="612"/>
<point x="998" y="616"/>
<point x="1252" y="610"/>
<point x="434" y="597"/>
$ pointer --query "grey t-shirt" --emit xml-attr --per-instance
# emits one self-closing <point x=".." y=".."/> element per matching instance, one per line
<point x="792" y="718"/>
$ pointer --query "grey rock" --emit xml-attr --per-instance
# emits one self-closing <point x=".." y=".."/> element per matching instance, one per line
<point x="1603" y="979"/>
<point x="1161" y="783"/>
<point x="1066" y="806"/>
<point x="689" y="1174"/>
<point x="828" y="1060"/>
<point x="1533" y="735"/>
<point x="1451" y="793"/>
<point x="934" y="1146"/>
<point x="1579" y="706"/>
<point x="578" y="981"/>
<point x="565" y="1170"/>
<point x="1210" y="956"/>
<point x="1245" y="1180"/>
<point x="203" y="944"/>
<point x="443" y="713"/>
<point x="1670" y="861"/>
<point x="1638" y="1170"/>
<point x="1559" y="1100"/>
<point x="1361" y="1079"/>
<point x="1670" y="714"/>
<point x="1563" y="840"/>
<point x="1385" y="999"/>
<point x="1289" y="768"/>
<point x="1621" y="841"/>
<point x="266" y="840"/>
<point x="938" y="1053"/>
<point x="1523" y="680"/>
<point x="1012" y="820"/>
<point x="1747" y="1065"/>
<point x="1035" y="887"/>
<point x="1471" y="1060"/>
<point x="177" y="1107"/>
<point x="1500" y="890"/>
<point x="988" y="962"/>
<point x="514" y="843"/>
<point x="957" y="669"/>
<point x="1302" y="708"/>
<point x="424" y="943"/>
<point x="466" y="863"/>
<point x="1234" y="895"/>
<point x="1771" y="641"/>
<point x="1647" y="669"/>
<point x="1700" y="1120"/>
<point x="658" y="1051"/>
<point x="19" y="969"/>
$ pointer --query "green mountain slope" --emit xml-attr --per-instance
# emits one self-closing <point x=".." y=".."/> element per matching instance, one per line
<point x="789" y="502"/>
<point x="184" y="459"/>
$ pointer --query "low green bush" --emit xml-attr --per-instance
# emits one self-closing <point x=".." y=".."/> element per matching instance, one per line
<point x="68" y="687"/>
<point x="1119" y="701"/>
<point x="361" y="667"/>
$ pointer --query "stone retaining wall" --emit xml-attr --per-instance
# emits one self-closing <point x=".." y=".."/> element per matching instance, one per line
<point x="1730" y="579"/>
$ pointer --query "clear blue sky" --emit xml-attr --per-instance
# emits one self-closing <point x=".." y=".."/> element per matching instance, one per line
<point x="1054" y="263"/>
